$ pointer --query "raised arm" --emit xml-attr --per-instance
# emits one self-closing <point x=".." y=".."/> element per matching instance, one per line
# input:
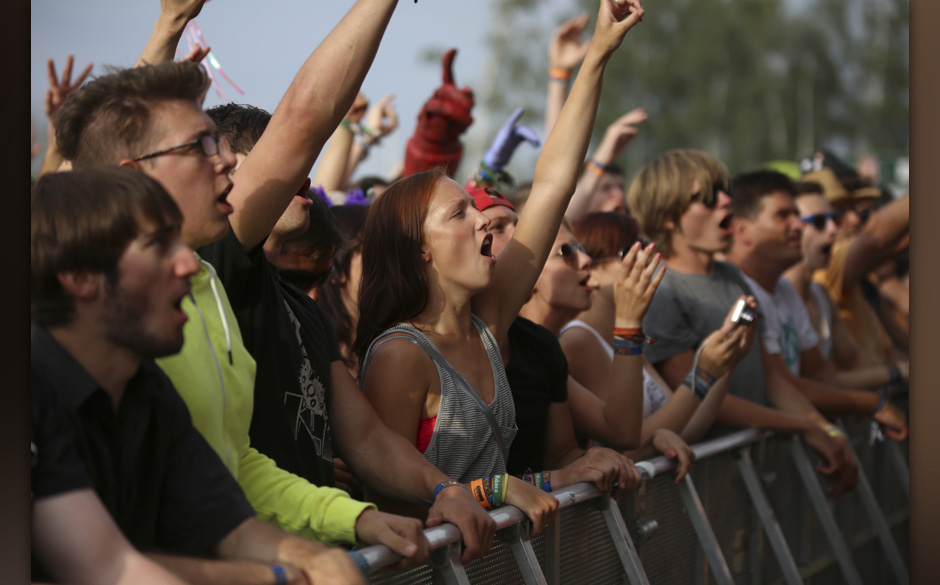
<point x="314" y="104"/>
<point x="59" y="89"/>
<point x="565" y="52"/>
<point x="168" y="30"/>
<point x="875" y="243"/>
<point x="331" y="172"/>
<point x="555" y="174"/>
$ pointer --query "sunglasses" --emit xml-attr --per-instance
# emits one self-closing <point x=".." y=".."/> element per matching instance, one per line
<point x="819" y="220"/>
<point x="569" y="253"/>
<point x="618" y="257"/>
<point x="303" y="279"/>
<point x="712" y="199"/>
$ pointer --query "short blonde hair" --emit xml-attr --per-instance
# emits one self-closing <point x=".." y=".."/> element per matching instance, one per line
<point x="662" y="190"/>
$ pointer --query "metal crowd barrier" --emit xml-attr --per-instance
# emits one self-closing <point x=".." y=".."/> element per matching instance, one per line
<point x="751" y="510"/>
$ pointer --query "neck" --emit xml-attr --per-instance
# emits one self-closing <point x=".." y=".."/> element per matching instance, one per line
<point x="799" y="275"/>
<point x="689" y="260"/>
<point x="109" y="365"/>
<point x="446" y="317"/>
<point x="764" y="273"/>
<point x="548" y="317"/>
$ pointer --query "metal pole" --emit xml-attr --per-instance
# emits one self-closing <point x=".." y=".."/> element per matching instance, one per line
<point x="522" y="551"/>
<point x="706" y="536"/>
<point x="826" y="518"/>
<point x="629" y="558"/>
<point x="777" y="541"/>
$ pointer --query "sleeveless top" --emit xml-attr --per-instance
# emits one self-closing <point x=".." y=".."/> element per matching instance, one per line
<point x="654" y="397"/>
<point x="462" y="445"/>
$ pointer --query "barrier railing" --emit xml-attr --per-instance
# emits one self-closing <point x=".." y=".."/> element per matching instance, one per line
<point x="751" y="510"/>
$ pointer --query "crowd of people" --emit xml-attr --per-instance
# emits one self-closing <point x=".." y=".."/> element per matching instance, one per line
<point x="239" y="371"/>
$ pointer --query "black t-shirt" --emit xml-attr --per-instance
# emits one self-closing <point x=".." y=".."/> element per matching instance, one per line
<point x="164" y="486"/>
<point x="293" y="345"/>
<point x="538" y="375"/>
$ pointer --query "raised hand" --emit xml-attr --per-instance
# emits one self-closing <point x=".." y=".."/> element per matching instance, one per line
<point x="567" y="50"/>
<point x="618" y="135"/>
<point x="358" y="109"/>
<point x="674" y="447"/>
<point x="381" y="119"/>
<point x="59" y="89"/>
<point x="639" y="277"/>
<point x="183" y="9"/>
<point x="197" y="53"/>
<point x="508" y="138"/>
<point x="614" y="19"/>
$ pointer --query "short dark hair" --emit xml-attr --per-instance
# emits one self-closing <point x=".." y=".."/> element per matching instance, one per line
<point x="82" y="221"/>
<point x="242" y="124"/>
<point x="108" y="118"/>
<point x="322" y="237"/>
<point x="748" y="189"/>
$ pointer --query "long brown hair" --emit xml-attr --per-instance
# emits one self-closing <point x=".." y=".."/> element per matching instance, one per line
<point x="605" y="234"/>
<point x="394" y="284"/>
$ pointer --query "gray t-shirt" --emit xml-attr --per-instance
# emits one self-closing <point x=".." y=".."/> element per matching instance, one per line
<point x="689" y="307"/>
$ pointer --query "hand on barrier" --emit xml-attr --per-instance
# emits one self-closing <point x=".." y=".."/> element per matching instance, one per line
<point x="605" y="468"/>
<point x="539" y="506"/>
<point x="892" y="421"/>
<point x="640" y="275"/>
<point x="458" y="507"/>
<point x="405" y="536"/>
<point x="840" y="468"/>
<point x="674" y="447"/>
<point x="333" y="565"/>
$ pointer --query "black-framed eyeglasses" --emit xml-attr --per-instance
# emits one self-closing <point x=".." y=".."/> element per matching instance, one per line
<point x="819" y="220"/>
<point x="569" y="253"/>
<point x="712" y="199"/>
<point x="209" y="144"/>
<point x="303" y="279"/>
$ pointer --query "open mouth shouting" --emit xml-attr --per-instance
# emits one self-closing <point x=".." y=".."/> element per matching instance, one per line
<point x="223" y="199"/>
<point x="725" y="224"/>
<point x="487" y="248"/>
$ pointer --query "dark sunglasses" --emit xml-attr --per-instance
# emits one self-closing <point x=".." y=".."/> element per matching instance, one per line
<point x="712" y="199"/>
<point x="569" y="253"/>
<point x="819" y="220"/>
<point x="302" y="279"/>
<point x="618" y="257"/>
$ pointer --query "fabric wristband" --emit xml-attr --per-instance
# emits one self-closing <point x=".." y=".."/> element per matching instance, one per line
<point x="280" y="575"/>
<point x="445" y="484"/>
<point x="627" y="346"/>
<point x="559" y="74"/>
<point x="699" y="382"/>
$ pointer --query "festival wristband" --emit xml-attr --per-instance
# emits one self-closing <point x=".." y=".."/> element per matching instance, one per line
<point x="280" y="575"/>
<point x="500" y="485"/>
<point x="627" y="346"/>
<point x="699" y="382"/>
<point x="445" y="484"/>
<point x="894" y="375"/>
<point x="559" y="74"/>
<point x="481" y="493"/>
<point x="596" y="168"/>
<point x="834" y="431"/>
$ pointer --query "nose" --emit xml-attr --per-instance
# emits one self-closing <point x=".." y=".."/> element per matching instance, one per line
<point x="724" y="200"/>
<point x="584" y="260"/>
<point x="831" y="226"/>
<point x="226" y="155"/>
<point x="186" y="264"/>
<point x="483" y="220"/>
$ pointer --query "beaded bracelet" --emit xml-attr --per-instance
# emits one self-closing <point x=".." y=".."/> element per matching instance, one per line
<point x="445" y="484"/>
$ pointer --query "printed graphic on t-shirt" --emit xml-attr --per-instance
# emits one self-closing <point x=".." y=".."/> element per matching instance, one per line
<point x="789" y="347"/>
<point x="311" y="415"/>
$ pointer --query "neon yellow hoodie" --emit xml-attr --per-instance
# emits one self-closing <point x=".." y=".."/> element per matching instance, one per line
<point x="215" y="375"/>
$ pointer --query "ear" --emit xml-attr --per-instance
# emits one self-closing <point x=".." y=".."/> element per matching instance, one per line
<point x="425" y="255"/>
<point x="741" y="230"/>
<point x="669" y="224"/>
<point x="81" y="285"/>
<point x="131" y="164"/>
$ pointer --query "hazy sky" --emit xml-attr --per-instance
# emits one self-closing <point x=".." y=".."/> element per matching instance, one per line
<point x="262" y="44"/>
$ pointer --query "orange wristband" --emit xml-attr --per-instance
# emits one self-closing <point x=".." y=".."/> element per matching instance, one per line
<point x="559" y="74"/>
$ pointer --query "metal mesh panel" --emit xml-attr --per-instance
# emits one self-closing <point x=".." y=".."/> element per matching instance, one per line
<point x="497" y="567"/>
<point x="587" y="551"/>
<point x="421" y="575"/>
<point x="729" y="510"/>
<point x="671" y="554"/>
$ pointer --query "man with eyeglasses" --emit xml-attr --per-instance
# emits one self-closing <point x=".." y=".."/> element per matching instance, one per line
<point x="682" y="203"/>
<point x="768" y="240"/>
